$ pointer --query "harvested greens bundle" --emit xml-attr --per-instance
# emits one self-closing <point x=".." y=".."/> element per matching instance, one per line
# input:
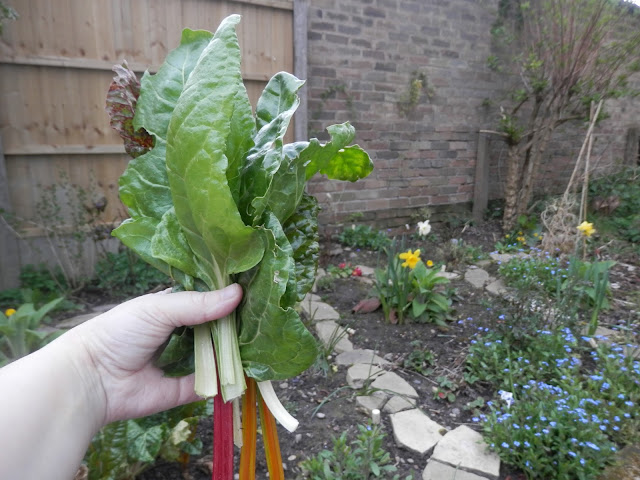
<point x="216" y="197"/>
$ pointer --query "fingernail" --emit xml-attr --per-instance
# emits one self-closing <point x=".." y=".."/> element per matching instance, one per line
<point x="230" y="291"/>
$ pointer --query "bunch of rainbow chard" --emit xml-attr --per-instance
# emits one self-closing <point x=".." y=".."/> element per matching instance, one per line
<point x="215" y="197"/>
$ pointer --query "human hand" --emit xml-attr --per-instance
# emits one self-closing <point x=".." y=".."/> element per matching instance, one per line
<point x="113" y="352"/>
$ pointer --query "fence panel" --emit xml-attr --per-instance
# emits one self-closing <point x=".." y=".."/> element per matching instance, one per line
<point x="55" y="69"/>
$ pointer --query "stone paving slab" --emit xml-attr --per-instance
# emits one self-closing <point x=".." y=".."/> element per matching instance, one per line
<point x="439" y="471"/>
<point x="497" y="288"/>
<point x="415" y="431"/>
<point x="398" y="404"/>
<point x="329" y="331"/>
<point x="368" y="403"/>
<point x="505" y="257"/>
<point x="319" y="311"/>
<point x="360" y="356"/>
<point x="359" y="373"/>
<point x="392" y="382"/>
<point x="476" y="277"/>
<point x="448" y="275"/>
<point x="366" y="271"/>
<point x="465" y="448"/>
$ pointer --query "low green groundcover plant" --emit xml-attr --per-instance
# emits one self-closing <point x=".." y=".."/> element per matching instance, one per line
<point x="558" y="277"/>
<point x="360" y="459"/>
<point x="364" y="236"/>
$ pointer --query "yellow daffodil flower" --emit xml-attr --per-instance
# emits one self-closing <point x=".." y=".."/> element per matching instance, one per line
<point x="9" y="311"/>
<point x="586" y="228"/>
<point x="410" y="258"/>
<point x="429" y="263"/>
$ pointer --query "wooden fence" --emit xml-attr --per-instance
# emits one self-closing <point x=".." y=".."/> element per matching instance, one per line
<point x="55" y="69"/>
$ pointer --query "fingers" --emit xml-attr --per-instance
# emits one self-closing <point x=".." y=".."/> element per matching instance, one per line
<point x="190" y="308"/>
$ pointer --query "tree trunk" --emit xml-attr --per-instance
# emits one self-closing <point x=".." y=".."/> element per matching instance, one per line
<point x="530" y="170"/>
<point x="511" y="188"/>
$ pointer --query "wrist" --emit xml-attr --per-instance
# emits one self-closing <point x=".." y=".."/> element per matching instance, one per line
<point x="81" y="378"/>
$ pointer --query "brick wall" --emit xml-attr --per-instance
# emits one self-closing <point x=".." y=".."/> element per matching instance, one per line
<point x="363" y="57"/>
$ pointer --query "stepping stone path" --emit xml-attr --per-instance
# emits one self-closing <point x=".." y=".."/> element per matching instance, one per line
<point x="460" y="453"/>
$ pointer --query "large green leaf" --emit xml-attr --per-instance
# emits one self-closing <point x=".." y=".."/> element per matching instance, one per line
<point x="137" y="233"/>
<point x="144" y="443"/>
<point x="335" y="159"/>
<point x="301" y="230"/>
<point x="274" y="111"/>
<point x="159" y="93"/>
<point x="169" y="244"/>
<point x="278" y="97"/>
<point x="197" y="163"/>
<point x="274" y="343"/>
<point x="144" y="187"/>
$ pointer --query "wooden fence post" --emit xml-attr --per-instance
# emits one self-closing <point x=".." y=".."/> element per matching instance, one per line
<point x="632" y="147"/>
<point x="9" y="248"/>
<point x="300" y="16"/>
<point x="481" y="184"/>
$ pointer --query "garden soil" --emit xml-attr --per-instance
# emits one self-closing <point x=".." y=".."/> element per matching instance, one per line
<point x="324" y="404"/>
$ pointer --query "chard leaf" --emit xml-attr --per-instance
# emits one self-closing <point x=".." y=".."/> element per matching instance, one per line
<point x="170" y="245"/>
<point x="240" y="140"/>
<point x="144" y="186"/>
<point x="301" y="230"/>
<point x="288" y="183"/>
<point x="177" y="359"/>
<point x="145" y="443"/>
<point x="274" y="111"/>
<point x="121" y="106"/>
<point x="160" y="92"/>
<point x="335" y="159"/>
<point x="274" y="343"/>
<point x="279" y="96"/>
<point x="197" y="163"/>
<point x="136" y="233"/>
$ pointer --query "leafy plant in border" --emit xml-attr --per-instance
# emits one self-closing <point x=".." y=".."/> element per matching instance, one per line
<point x="124" y="449"/>
<point x="361" y="459"/>
<point x="220" y="198"/>
<point x="19" y="333"/>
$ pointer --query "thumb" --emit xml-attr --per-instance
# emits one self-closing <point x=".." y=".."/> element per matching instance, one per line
<point x="190" y="308"/>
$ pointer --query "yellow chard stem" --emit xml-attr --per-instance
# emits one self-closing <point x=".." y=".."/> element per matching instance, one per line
<point x="249" y="432"/>
<point x="271" y="443"/>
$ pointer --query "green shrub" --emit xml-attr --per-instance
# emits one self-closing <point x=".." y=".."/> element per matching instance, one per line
<point x="364" y="236"/>
<point x="43" y="279"/>
<point x="125" y="274"/>
<point x="616" y="201"/>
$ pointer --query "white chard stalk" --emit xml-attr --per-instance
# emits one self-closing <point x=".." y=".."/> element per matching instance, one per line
<point x="206" y="384"/>
<point x="275" y="407"/>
